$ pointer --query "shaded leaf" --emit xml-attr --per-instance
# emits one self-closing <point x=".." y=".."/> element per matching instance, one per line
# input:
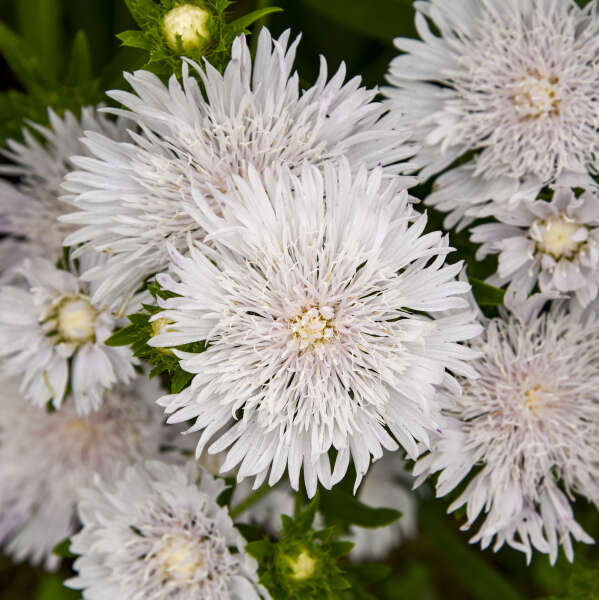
<point x="52" y="588"/>
<point x="379" y="19"/>
<point x="62" y="549"/>
<point x="80" y="61"/>
<point x="485" y="294"/>
<point x="240" y="25"/>
<point x="134" y="39"/>
<point x="339" y="504"/>
<point x="22" y="60"/>
<point x="40" y="25"/>
<point x="123" y="337"/>
<point x="143" y="11"/>
<point x="483" y="582"/>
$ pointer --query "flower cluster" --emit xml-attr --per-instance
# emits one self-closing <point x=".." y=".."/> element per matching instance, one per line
<point x="256" y="242"/>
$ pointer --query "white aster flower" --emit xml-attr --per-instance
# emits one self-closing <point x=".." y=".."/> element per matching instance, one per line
<point x="134" y="198"/>
<point x="45" y="458"/>
<point x="524" y="436"/>
<point x="553" y="243"/>
<point x="52" y="334"/>
<point x="386" y="486"/>
<point x="518" y="87"/>
<point x="30" y="209"/>
<point x="311" y="296"/>
<point x="158" y="533"/>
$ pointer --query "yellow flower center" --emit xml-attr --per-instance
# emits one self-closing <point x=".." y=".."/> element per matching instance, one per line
<point x="302" y="567"/>
<point x="181" y="558"/>
<point x="314" y="326"/>
<point x="189" y="24"/>
<point x="557" y="237"/>
<point x="76" y="319"/>
<point x="537" y="96"/>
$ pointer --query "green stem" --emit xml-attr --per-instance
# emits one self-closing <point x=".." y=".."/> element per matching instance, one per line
<point x="251" y="499"/>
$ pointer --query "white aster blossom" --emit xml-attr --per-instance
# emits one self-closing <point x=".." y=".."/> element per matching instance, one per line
<point x="45" y="458"/>
<point x="134" y="198"/>
<point x="52" y="334"/>
<point x="553" y="243"/>
<point x="386" y="486"/>
<point x="30" y="208"/>
<point x="311" y="294"/>
<point x="514" y="81"/>
<point x="157" y="533"/>
<point x="523" y="437"/>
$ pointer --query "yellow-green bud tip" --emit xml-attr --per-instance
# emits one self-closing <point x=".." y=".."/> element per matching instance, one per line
<point x="189" y="22"/>
<point x="157" y="326"/>
<point x="302" y="566"/>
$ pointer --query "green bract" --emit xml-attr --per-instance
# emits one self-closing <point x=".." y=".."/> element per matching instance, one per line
<point x="196" y="29"/>
<point x="304" y="562"/>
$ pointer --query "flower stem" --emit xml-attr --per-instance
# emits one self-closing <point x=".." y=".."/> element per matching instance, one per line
<point x="251" y="499"/>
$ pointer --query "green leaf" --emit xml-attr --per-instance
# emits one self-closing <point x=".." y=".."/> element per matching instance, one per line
<point x="40" y="24"/>
<point x="249" y="532"/>
<point x="62" y="549"/>
<point x="305" y="519"/>
<point x="123" y="337"/>
<point x="338" y="504"/>
<point x="341" y="548"/>
<point x="240" y="25"/>
<point x="144" y="12"/>
<point x="22" y="60"/>
<point x="370" y="573"/>
<point x="379" y="19"/>
<point x="52" y="588"/>
<point x="134" y="39"/>
<point x="483" y="582"/>
<point x="485" y="294"/>
<point x="80" y="61"/>
<point x="180" y="380"/>
<point x="260" y="550"/>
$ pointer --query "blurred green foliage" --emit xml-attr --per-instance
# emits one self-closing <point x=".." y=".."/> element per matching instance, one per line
<point x="65" y="53"/>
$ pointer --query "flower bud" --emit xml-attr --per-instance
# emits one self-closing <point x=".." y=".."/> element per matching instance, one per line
<point x="189" y="24"/>
<point x="302" y="566"/>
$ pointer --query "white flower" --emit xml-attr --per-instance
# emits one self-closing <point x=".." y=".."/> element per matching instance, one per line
<point x="52" y="334"/>
<point x="134" y="198"/>
<point x="554" y="244"/>
<point x="157" y="533"/>
<point x="524" y="436"/>
<point x="30" y="209"/>
<point x="386" y="486"/>
<point x="311" y="296"/>
<point x="45" y="458"/>
<point x="518" y="87"/>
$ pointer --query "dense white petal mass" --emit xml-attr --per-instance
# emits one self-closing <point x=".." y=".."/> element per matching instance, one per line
<point x="52" y="334"/>
<point x="523" y="437"/>
<point x="157" y="533"/>
<point x="513" y="81"/>
<point x="134" y="197"/>
<point x="387" y="486"/>
<point x="554" y="243"/>
<point x="30" y="209"/>
<point x="312" y="294"/>
<point x="46" y="457"/>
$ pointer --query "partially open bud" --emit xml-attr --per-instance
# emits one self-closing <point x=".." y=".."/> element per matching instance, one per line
<point x="302" y="566"/>
<point x="189" y="24"/>
<point x="157" y="326"/>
